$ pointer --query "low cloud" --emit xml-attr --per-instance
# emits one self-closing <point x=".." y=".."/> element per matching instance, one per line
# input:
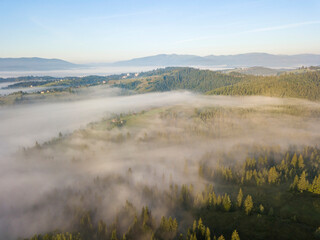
<point x="40" y="186"/>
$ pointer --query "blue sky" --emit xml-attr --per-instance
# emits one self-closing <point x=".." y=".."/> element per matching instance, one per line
<point x="103" y="31"/>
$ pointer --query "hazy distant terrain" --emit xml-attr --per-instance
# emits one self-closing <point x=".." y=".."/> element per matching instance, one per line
<point x="240" y="60"/>
<point x="165" y="60"/>
<point x="34" y="64"/>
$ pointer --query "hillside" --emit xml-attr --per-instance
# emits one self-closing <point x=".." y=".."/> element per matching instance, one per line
<point x="303" y="85"/>
<point x="34" y="64"/>
<point x="258" y="71"/>
<point x="188" y="78"/>
<point x="300" y="83"/>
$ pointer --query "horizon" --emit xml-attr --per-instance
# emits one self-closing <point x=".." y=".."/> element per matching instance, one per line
<point x="99" y="31"/>
<point x="160" y="54"/>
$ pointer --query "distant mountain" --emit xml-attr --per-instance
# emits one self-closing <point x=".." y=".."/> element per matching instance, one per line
<point x="162" y="60"/>
<point x="240" y="60"/>
<point x="34" y="64"/>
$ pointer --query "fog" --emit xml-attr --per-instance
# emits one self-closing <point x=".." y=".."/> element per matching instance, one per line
<point x="79" y="72"/>
<point x="7" y="91"/>
<point x="42" y="183"/>
<point x="22" y="126"/>
<point x="95" y="70"/>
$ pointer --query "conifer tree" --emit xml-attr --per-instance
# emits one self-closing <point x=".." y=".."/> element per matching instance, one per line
<point x="239" y="198"/>
<point x="201" y="227"/>
<point x="248" y="204"/>
<point x="235" y="235"/>
<point x="294" y="185"/>
<point x="208" y="235"/>
<point x="194" y="227"/>
<point x="294" y="160"/>
<point x="300" y="162"/>
<point x="303" y="183"/>
<point x="226" y="202"/>
<point x="261" y="208"/>
<point x="273" y="175"/>
<point x="221" y="237"/>
<point x="315" y="187"/>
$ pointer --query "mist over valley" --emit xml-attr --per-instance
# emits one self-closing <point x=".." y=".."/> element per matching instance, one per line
<point x="160" y="120"/>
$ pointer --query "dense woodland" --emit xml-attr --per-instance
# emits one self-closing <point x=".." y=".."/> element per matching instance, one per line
<point x="260" y="194"/>
<point x="196" y="80"/>
<point x="303" y="85"/>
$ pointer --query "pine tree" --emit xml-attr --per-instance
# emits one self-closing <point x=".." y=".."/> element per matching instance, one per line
<point x="235" y="235"/>
<point x="208" y="236"/>
<point x="201" y="227"/>
<point x="294" y="185"/>
<point x="300" y="162"/>
<point x="273" y="175"/>
<point x="248" y="204"/>
<point x="194" y="227"/>
<point x="303" y="183"/>
<point x="315" y="187"/>
<point x="239" y="198"/>
<point x="219" y="200"/>
<point x="294" y="160"/>
<point x="226" y="202"/>
<point x="221" y="237"/>
<point x="174" y="225"/>
<point x="261" y="208"/>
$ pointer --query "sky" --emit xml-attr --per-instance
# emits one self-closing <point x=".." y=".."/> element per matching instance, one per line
<point x="84" y="31"/>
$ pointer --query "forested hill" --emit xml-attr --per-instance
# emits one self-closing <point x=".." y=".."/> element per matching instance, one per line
<point x="192" y="79"/>
<point x="298" y="84"/>
<point x="303" y="85"/>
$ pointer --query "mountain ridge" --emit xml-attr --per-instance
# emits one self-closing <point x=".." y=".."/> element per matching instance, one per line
<point x="237" y="60"/>
<point x="243" y="60"/>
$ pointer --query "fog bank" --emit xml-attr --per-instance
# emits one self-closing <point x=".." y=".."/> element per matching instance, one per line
<point x="40" y="186"/>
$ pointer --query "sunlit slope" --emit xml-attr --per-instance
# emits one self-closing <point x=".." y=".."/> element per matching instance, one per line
<point x="303" y="85"/>
<point x="299" y="84"/>
<point x="180" y="78"/>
